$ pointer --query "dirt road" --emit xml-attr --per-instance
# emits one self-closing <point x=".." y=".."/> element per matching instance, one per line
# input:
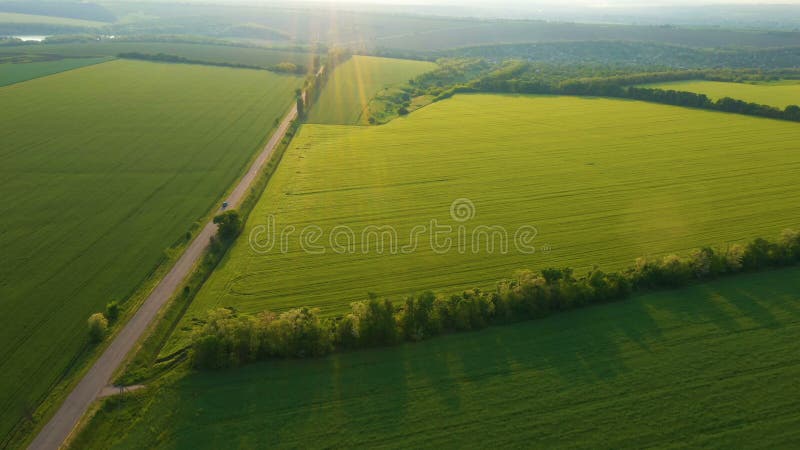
<point x="53" y="435"/>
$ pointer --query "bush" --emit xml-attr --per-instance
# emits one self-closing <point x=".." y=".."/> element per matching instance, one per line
<point x="229" y="224"/>
<point x="376" y="322"/>
<point x="418" y="320"/>
<point x="287" y="67"/>
<point x="229" y="340"/>
<point x="98" y="327"/>
<point x="112" y="311"/>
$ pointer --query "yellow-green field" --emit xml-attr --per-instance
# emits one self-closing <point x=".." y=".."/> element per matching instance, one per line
<point x="103" y="169"/>
<point x="603" y="181"/>
<point x="779" y="94"/>
<point x="353" y="85"/>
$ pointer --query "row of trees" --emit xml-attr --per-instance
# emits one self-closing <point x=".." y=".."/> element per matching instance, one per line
<point x="514" y="77"/>
<point x="230" y="339"/>
<point x="726" y="104"/>
<point x="317" y="79"/>
<point x="283" y="67"/>
<point x="463" y="75"/>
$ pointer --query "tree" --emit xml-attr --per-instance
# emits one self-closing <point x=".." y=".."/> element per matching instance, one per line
<point x="98" y="326"/>
<point x="376" y="323"/>
<point x="301" y="113"/>
<point x="229" y="224"/>
<point x="112" y="311"/>
<point x="287" y="67"/>
<point x="792" y="112"/>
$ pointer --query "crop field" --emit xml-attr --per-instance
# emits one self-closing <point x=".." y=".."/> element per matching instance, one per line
<point x="11" y="73"/>
<point x="353" y="85"/>
<point x="253" y="56"/>
<point x="712" y="365"/>
<point x="602" y="181"/>
<point x="104" y="168"/>
<point x="779" y="94"/>
<point x="15" y="18"/>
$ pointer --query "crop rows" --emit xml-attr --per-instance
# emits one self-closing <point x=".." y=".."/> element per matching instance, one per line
<point x="602" y="181"/>
<point x="103" y="169"/>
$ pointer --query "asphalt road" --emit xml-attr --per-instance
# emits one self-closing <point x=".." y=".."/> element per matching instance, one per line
<point x="60" y="426"/>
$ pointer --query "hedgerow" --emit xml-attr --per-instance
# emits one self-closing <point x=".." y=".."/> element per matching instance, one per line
<point x="229" y="339"/>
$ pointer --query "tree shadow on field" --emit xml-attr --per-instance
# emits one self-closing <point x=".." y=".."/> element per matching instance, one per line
<point x="259" y="406"/>
<point x="731" y="303"/>
<point x="371" y="390"/>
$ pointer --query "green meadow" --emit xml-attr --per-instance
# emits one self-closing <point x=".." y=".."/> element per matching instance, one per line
<point x="104" y="168"/>
<point x="710" y="366"/>
<point x="11" y="73"/>
<point x="602" y="181"/>
<point x="779" y="94"/>
<point x="353" y="84"/>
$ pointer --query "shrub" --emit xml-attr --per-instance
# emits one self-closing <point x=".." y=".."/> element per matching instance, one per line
<point x="790" y="240"/>
<point x="417" y="319"/>
<point x="112" y="311"/>
<point x="229" y="224"/>
<point x="346" y="331"/>
<point x="287" y="67"/>
<point x="228" y="340"/>
<point x="98" y="326"/>
<point x="299" y="333"/>
<point x="376" y="323"/>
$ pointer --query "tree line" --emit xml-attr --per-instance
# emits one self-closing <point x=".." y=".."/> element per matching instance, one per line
<point x="317" y="80"/>
<point x="465" y="75"/>
<point x="635" y="56"/>
<point x="229" y="339"/>
<point x="283" y="67"/>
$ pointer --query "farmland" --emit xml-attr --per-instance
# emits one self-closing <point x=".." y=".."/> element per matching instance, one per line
<point x="229" y="54"/>
<point x="719" y="360"/>
<point x="778" y="94"/>
<point x="105" y="170"/>
<point x="354" y="84"/>
<point x="644" y="179"/>
<point x="11" y="73"/>
<point x="15" y="18"/>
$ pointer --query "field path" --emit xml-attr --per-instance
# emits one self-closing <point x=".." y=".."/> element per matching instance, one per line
<point x="53" y="435"/>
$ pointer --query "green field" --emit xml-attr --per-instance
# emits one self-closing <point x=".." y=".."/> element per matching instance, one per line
<point x="14" y="73"/>
<point x="353" y="85"/>
<point x="779" y="94"/>
<point x="253" y="56"/>
<point x="711" y="366"/>
<point x="103" y="169"/>
<point x="604" y="182"/>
